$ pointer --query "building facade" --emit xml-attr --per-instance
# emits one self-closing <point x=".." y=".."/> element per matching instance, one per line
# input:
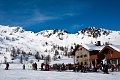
<point x="86" y="54"/>
<point x="82" y="55"/>
<point x="94" y="55"/>
<point x="111" y="53"/>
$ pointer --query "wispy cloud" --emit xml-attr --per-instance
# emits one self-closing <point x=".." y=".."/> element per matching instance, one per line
<point x="71" y="14"/>
<point x="76" y="26"/>
<point x="22" y="19"/>
<point x="39" y="17"/>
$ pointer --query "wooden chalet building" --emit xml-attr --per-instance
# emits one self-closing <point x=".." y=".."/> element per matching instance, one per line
<point x="86" y="54"/>
<point x="111" y="53"/>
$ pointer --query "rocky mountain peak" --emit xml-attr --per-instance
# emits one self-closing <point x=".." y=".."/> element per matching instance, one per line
<point x="94" y="32"/>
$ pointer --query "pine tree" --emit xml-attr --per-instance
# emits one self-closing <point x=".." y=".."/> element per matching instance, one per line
<point x="56" y="53"/>
<point x="47" y="59"/>
<point x="18" y="51"/>
<point x="13" y="52"/>
<point x="21" y="59"/>
<point x="37" y="56"/>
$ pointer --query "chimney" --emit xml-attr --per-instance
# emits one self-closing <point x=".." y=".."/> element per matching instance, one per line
<point x="98" y="43"/>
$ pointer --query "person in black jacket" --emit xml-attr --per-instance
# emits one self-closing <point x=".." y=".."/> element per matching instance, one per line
<point x="7" y="66"/>
<point x="42" y="64"/>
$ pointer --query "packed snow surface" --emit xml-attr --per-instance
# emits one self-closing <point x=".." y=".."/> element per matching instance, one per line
<point x="18" y="74"/>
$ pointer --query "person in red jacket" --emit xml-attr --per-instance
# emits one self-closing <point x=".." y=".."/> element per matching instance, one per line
<point x="112" y="67"/>
<point x="35" y="66"/>
<point x="46" y="67"/>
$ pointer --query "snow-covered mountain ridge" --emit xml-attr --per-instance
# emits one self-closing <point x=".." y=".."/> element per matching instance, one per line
<point x="48" y="41"/>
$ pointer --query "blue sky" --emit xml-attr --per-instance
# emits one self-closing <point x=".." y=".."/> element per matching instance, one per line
<point x="70" y="15"/>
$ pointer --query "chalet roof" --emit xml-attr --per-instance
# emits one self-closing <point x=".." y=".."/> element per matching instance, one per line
<point x="116" y="47"/>
<point x="89" y="47"/>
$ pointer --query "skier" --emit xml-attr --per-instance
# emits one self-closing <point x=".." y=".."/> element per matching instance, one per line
<point x="105" y="66"/>
<point x="74" y="67"/>
<point x="118" y="67"/>
<point x="23" y="66"/>
<point x="46" y="67"/>
<point x="35" y="66"/>
<point x="81" y="67"/>
<point x="7" y="66"/>
<point x="42" y="64"/>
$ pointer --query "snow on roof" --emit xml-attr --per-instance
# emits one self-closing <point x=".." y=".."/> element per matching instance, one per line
<point x="92" y="47"/>
<point x="116" y="47"/>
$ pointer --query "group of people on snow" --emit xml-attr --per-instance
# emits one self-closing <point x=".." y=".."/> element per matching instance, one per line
<point x="77" y="67"/>
<point x="45" y="67"/>
<point x="33" y="66"/>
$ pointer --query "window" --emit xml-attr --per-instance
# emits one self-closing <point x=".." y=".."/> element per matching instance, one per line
<point x="80" y="48"/>
<point x="77" y="56"/>
<point x="85" y="55"/>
